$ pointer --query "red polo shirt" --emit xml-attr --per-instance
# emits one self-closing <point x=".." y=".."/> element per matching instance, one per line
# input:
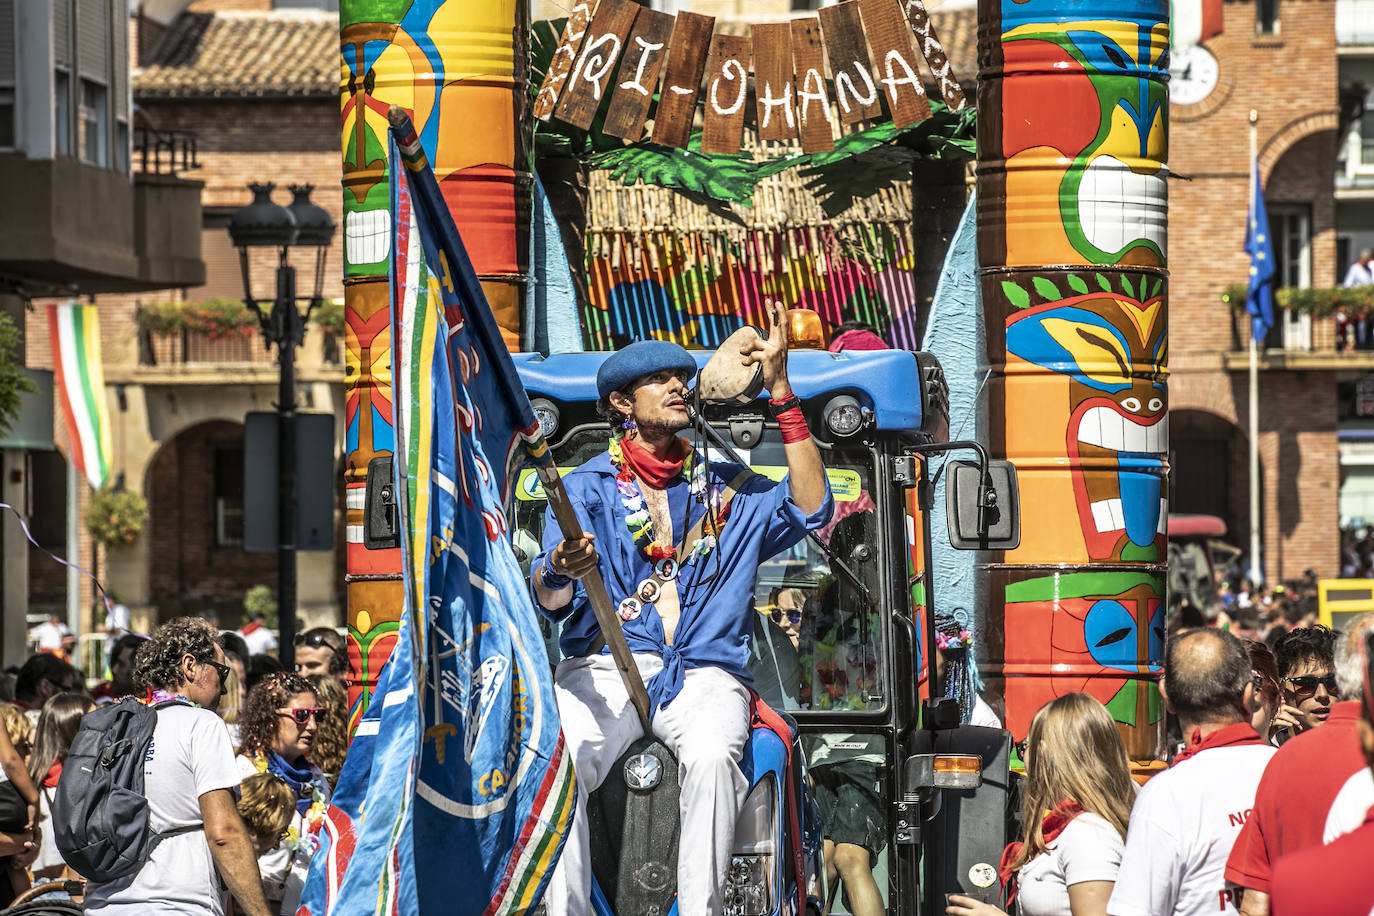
<point x="1295" y="796"/>
<point x="1332" y="880"/>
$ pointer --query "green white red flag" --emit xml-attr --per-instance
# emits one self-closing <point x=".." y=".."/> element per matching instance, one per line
<point x="80" y="387"/>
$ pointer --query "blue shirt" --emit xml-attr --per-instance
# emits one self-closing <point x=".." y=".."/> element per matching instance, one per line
<point x="716" y="592"/>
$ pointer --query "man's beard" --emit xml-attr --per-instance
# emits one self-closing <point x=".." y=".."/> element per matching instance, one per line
<point x="655" y="428"/>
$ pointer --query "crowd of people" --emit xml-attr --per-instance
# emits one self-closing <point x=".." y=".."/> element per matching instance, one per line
<point x="237" y="776"/>
<point x="1263" y="810"/>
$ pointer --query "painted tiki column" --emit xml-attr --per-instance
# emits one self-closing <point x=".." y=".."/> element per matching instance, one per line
<point x="460" y="67"/>
<point x="1072" y="128"/>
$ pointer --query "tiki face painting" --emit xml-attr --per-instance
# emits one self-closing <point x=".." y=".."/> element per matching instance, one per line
<point x="1076" y="136"/>
<point x="1103" y="356"/>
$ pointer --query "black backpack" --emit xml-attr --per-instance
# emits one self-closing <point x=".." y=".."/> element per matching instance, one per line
<point x="100" y="814"/>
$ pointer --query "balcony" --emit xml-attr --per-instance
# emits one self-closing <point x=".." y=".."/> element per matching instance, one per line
<point x="89" y="229"/>
<point x="216" y="341"/>
<point x="1354" y="22"/>
<point x="1301" y="341"/>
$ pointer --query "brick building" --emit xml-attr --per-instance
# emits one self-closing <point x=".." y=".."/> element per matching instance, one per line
<point x="1284" y="68"/>
<point x="204" y="88"/>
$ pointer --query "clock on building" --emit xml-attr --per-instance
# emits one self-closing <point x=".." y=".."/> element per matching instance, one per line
<point x="1193" y="74"/>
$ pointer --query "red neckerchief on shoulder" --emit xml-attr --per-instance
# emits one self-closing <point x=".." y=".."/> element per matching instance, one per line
<point x="1237" y="735"/>
<point x="254" y="625"/>
<point x="655" y="471"/>
<point x="1053" y="824"/>
<point x="54" y="773"/>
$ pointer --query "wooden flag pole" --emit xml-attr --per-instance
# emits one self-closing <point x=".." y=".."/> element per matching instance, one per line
<point x="606" y="616"/>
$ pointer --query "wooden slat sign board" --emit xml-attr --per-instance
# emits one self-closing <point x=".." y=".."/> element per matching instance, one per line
<point x="638" y="76"/>
<point x="873" y="64"/>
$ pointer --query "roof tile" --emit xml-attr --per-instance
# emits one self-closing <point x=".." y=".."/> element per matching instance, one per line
<point x="277" y="53"/>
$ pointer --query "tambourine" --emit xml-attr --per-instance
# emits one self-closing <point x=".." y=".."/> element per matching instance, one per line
<point x="725" y="379"/>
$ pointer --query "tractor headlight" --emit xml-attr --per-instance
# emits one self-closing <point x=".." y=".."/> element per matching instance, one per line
<point x="844" y="415"/>
<point x="546" y="412"/>
<point x="749" y="884"/>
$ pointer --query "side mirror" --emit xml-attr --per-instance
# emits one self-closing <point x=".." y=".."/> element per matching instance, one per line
<point x="967" y="492"/>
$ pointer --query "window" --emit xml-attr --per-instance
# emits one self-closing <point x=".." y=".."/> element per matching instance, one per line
<point x="1266" y="17"/>
<point x="121" y="150"/>
<point x="6" y="117"/>
<point x="62" y="112"/>
<point x="228" y="468"/>
<point x="1290" y="228"/>
<point x="95" y="123"/>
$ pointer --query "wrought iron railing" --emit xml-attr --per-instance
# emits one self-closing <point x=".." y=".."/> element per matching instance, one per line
<point x="164" y="152"/>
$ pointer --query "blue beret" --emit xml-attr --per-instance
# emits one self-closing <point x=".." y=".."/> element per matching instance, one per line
<point x="640" y="359"/>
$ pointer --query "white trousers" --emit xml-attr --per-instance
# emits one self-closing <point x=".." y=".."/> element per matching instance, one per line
<point x="705" y="726"/>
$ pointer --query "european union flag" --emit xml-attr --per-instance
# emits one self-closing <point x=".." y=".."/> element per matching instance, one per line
<point x="459" y="763"/>
<point x="1259" y="296"/>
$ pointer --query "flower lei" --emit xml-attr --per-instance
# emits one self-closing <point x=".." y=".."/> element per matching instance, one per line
<point x="963" y="640"/>
<point x="158" y="695"/>
<point x="641" y="526"/>
<point x="314" y="815"/>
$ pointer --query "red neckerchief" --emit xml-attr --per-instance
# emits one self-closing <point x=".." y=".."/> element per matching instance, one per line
<point x="54" y="773"/>
<point x="655" y="471"/>
<point x="250" y="628"/>
<point x="1051" y="826"/>
<point x="1236" y="735"/>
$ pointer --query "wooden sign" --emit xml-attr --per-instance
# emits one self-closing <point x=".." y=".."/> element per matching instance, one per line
<point x="773" y="81"/>
<point x="934" y="52"/>
<point x="600" y="50"/>
<point x="563" y="58"/>
<point x="813" y="103"/>
<point x="895" y="60"/>
<point x="871" y="58"/>
<point x="638" y="75"/>
<point x="856" y="89"/>
<point x="727" y="87"/>
<point x="677" y="101"/>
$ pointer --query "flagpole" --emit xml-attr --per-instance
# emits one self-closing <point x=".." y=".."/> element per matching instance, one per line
<point x="606" y="616"/>
<point x="1256" y="568"/>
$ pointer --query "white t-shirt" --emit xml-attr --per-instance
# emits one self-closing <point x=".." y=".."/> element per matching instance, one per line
<point x="48" y="855"/>
<point x="1089" y="849"/>
<point x="49" y="635"/>
<point x="260" y="640"/>
<point x="1183" y="826"/>
<point x="190" y="756"/>
<point x="983" y="715"/>
<point x="1350" y="806"/>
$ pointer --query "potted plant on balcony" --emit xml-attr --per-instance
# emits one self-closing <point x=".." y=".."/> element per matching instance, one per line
<point x="220" y="318"/>
<point x="115" y="518"/>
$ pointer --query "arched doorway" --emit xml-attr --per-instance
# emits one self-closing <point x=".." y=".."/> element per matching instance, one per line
<point x="196" y="560"/>
<point x="1209" y="470"/>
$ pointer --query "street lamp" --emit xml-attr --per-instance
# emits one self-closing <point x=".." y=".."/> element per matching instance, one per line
<point x="264" y="224"/>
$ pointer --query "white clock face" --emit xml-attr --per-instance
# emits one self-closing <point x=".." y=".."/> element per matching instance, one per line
<point x="1192" y="75"/>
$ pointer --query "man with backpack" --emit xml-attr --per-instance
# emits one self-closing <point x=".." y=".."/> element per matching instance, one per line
<point x="194" y="843"/>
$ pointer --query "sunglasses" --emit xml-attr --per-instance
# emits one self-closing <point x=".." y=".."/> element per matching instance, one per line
<point x="793" y="616"/>
<point x="221" y="670"/>
<point x="315" y="641"/>
<point x="302" y="714"/>
<point x="1305" y="685"/>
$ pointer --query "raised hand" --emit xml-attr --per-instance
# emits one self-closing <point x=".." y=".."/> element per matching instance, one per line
<point x="771" y="352"/>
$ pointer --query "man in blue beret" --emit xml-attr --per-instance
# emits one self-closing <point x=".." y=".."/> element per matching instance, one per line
<point x="678" y="544"/>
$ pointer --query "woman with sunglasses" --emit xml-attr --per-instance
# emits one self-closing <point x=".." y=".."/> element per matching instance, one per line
<point x="277" y="727"/>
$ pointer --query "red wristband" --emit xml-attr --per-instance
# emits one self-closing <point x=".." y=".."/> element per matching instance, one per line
<point x="793" y="426"/>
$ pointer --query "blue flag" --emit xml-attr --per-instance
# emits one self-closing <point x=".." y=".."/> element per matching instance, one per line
<point x="459" y="762"/>
<point x="1259" y="296"/>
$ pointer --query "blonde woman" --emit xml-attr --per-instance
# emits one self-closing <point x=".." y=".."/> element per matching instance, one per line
<point x="1076" y="805"/>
